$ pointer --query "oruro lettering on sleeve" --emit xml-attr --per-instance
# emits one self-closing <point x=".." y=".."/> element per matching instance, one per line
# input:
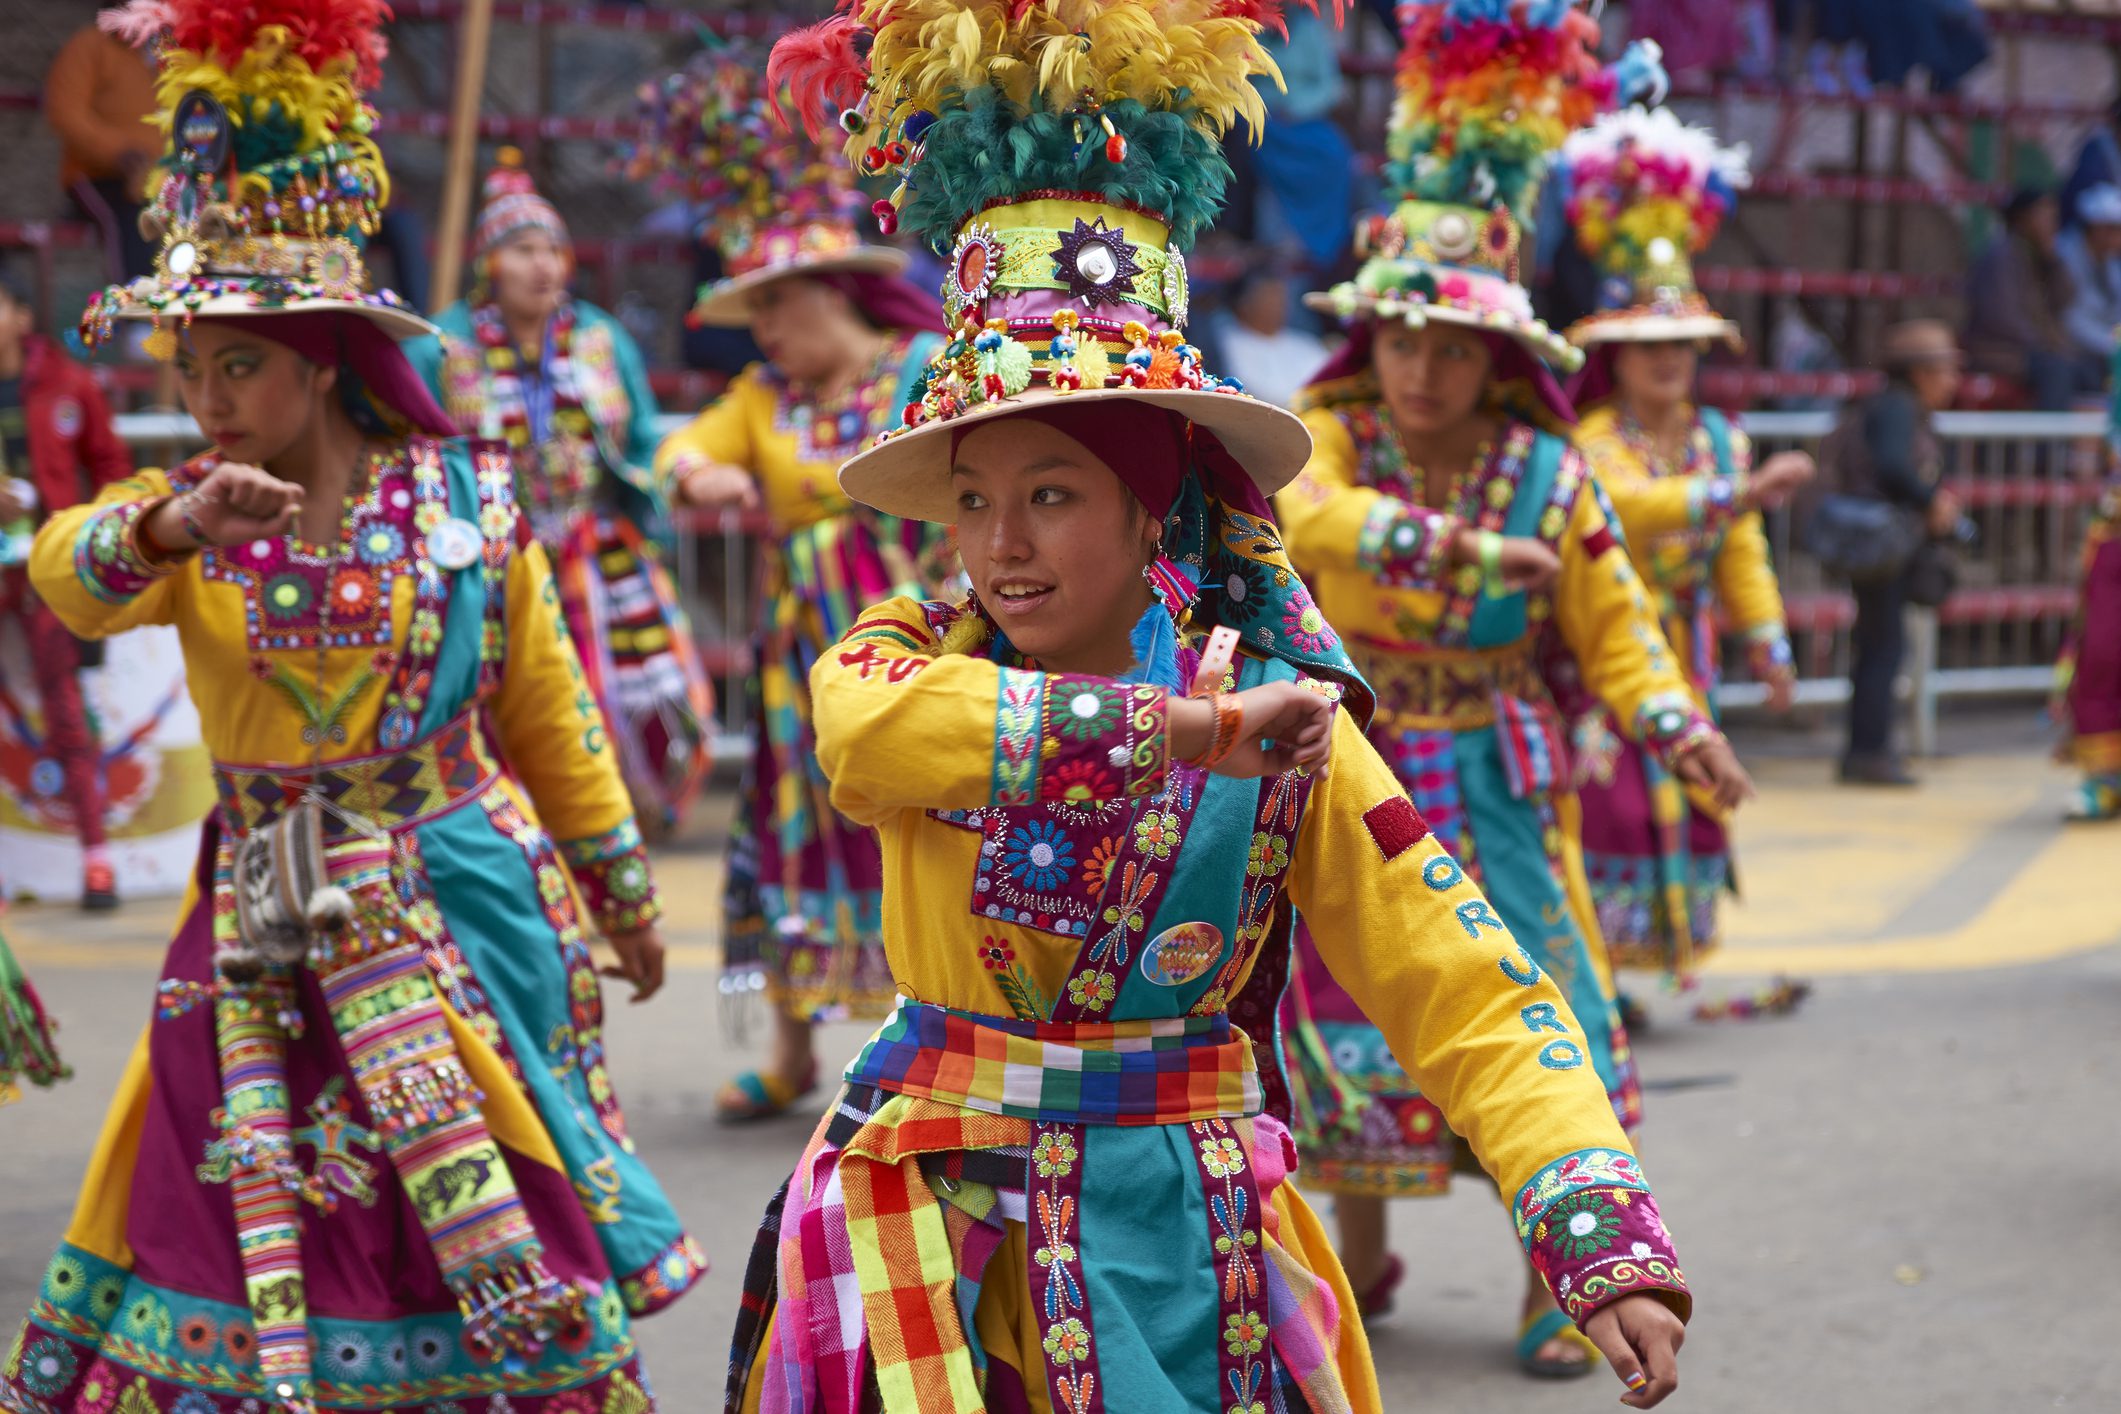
<point x="1441" y="872"/>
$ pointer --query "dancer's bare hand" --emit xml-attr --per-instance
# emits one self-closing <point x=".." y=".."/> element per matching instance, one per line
<point x="1639" y="1336"/>
<point x="640" y="953"/>
<point x="1775" y="480"/>
<point x="712" y="485"/>
<point x="1526" y="563"/>
<point x="234" y="505"/>
<point x="1713" y="767"/>
<point x="1781" y="691"/>
<point x="1296" y="719"/>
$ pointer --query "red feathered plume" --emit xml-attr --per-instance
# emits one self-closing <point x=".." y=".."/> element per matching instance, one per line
<point x="1273" y="14"/>
<point x="319" y="30"/>
<point x="824" y="68"/>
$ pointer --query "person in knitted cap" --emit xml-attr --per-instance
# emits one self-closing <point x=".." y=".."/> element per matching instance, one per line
<point x="1058" y="1177"/>
<point x="367" y="1155"/>
<point x="521" y="360"/>
<point x="1455" y="537"/>
<point x="844" y="335"/>
<point x="1646" y="194"/>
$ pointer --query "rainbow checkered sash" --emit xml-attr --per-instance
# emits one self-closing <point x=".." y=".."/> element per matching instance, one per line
<point x="1166" y="1070"/>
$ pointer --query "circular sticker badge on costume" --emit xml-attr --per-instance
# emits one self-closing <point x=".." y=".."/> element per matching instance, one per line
<point x="1177" y="955"/>
<point x="454" y="544"/>
<point x="66" y="418"/>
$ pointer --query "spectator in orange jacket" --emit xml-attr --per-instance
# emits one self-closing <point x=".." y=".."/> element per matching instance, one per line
<point x="57" y="449"/>
<point x="98" y="95"/>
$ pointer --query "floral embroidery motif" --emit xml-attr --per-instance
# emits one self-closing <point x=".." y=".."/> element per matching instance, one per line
<point x="1305" y="626"/>
<point x="1584" y="1224"/>
<point x="1157" y="833"/>
<point x="1670" y="725"/>
<point x="1093" y="991"/>
<point x="1281" y="806"/>
<point x="612" y="871"/>
<point x="1018" y="989"/>
<point x="1054" y="1155"/>
<point x="295" y="593"/>
<point x="1058" y="1287"/>
<point x="582" y="1051"/>
<point x="1234" y="1239"/>
<point x="1039" y="855"/>
<point x="1018" y="712"/>
<point x="832" y="431"/>
<point x="107" y="556"/>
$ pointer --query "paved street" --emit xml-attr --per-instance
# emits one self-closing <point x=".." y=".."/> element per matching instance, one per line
<point x="1904" y="1198"/>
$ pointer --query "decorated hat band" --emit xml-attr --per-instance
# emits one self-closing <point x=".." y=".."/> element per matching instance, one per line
<point x="761" y="247"/>
<point x="1023" y="259"/>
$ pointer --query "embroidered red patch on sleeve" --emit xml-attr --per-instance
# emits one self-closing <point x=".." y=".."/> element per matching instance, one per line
<point x="1396" y="826"/>
<point x="1598" y="542"/>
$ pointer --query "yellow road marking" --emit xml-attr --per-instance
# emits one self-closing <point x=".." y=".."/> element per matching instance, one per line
<point x="1825" y="870"/>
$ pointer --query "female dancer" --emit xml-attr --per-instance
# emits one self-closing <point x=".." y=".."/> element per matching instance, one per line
<point x="562" y="382"/>
<point x="1056" y="1177"/>
<point x="26" y="1048"/>
<point x="367" y="1155"/>
<point x="2088" y="679"/>
<point x="843" y="338"/>
<point x="1646" y="194"/>
<point x="1452" y="533"/>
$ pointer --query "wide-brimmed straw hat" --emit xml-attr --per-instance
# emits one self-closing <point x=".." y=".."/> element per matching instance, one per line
<point x="782" y="252"/>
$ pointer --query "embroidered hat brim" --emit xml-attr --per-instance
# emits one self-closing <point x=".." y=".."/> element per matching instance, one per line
<point x="1630" y="326"/>
<point x="728" y="304"/>
<point x="1347" y="302"/>
<point x="908" y="473"/>
<point x="396" y="320"/>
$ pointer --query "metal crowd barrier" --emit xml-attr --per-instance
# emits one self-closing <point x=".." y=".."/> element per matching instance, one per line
<point x="2028" y="480"/>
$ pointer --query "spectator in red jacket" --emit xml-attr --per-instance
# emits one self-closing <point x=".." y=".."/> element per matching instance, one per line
<point x="57" y="449"/>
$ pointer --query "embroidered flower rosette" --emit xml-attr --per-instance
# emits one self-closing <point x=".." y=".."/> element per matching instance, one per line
<point x="1060" y="158"/>
<point x="271" y="183"/>
<point x="1646" y="194"/>
<point x="1486" y="94"/>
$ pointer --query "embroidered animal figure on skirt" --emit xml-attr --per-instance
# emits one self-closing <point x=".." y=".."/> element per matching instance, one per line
<point x="454" y="1183"/>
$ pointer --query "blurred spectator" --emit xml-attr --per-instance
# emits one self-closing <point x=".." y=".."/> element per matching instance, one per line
<point x="2016" y="296"/>
<point x="1946" y="38"/>
<point x="1694" y="34"/>
<point x="57" y="449"/>
<point x="1795" y="345"/>
<point x="1884" y="450"/>
<point x="2098" y="162"/>
<point x="402" y="235"/>
<point x="1302" y="160"/>
<point x="98" y="95"/>
<point x="704" y="347"/>
<point x="2090" y="249"/>
<point x="1255" y="343"/>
